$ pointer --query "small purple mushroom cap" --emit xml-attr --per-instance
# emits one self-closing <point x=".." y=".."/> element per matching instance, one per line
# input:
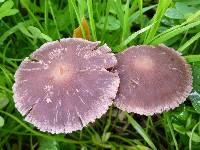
<point x="66" y="84"/>
<point x="152" y="79"/>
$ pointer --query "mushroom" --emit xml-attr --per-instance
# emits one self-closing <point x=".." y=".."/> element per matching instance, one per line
<point x="66" y="84"/>
<point x="152" y="79"/>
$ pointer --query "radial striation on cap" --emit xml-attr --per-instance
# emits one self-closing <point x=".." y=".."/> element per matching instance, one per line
<point x="152" y="79"/>
<point x="66" y="84"/>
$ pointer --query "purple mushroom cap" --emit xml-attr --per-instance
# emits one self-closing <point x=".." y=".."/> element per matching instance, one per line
<point x="152" y="79"/>
<point x="66" y="84"/>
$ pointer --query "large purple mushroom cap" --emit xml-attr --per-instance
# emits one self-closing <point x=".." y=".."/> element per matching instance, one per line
<point x="152" y="79"/>
<point x="66" y="84"/>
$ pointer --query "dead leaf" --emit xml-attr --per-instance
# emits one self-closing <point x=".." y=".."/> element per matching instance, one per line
<point x="77" y="32"/>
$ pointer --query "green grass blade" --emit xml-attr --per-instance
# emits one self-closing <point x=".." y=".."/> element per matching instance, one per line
<point x="119" y="10"/>
<point x="171" y="130"/>
<point x="108" y="123"/>
<point x="6" y="89"/>
<point x="57" y="138"/>
<point x="106" y="20"/>
<point x="136" y="14"/>
<point x="125" y="29"/>
<point x="71" y="14"/>
<point x="8" y="61"/>
<point x="7" y="74"/>
<point x="192" y="58"/>
<point x="81" y="7"/>
<point x="189" y="20"/>
<point x="92" y="25"/>
<point x="162" y="6"/>
<point x="131" y="37"/>
<point x="4" y="36"/>
<point x="190" y="140"/>
<point x="140" y="4"/>
<point x="140" y="130"/>
<point x="5" y="50"/>
<point x="78" y="18"/>
<point x="127" y="140"/>
<point x="32" y="15"/>
<point x="194" y="17"/>
<point x="173" y="33"/>
<point x="189" y="42"/>
<point x="46" y="16"/>
<point x="54" y="18"/>
<point x="12" y="30"/>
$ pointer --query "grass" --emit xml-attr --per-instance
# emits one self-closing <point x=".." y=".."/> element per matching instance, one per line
<point x="26" y="24"/>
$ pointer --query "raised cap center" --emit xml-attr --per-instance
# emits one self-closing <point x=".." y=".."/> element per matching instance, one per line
<point x="143" y="63"/>
<point x="62" y="72"/>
